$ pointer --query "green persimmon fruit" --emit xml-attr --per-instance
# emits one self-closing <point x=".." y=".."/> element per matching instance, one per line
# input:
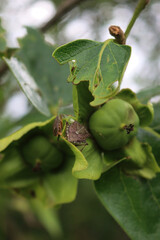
<point x="39" y="152"/>
<point x="114" y="124"/>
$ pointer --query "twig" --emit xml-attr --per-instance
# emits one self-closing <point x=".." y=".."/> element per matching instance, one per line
<point x="65" y="7"/>
<point x="140" y="6"/>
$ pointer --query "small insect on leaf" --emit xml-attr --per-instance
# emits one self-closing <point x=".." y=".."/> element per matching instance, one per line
<point x="77" y="133"/>
<point x="57" y="126"/>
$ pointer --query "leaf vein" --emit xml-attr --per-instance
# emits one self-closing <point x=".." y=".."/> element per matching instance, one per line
<point x="114" y="59"/>
<point x="129" y="198"/>
<point x="153" y="195"/>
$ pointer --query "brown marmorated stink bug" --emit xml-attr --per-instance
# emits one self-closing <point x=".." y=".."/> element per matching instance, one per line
<point x="77" y="134"/>
<point x="57" y="126"/>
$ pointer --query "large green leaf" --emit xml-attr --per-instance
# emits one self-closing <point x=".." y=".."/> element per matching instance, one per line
<point x="48" y="74"/>
<point x="101" y="63"/>
<point x="134" y="203"/>
<point x="28" y="84"/>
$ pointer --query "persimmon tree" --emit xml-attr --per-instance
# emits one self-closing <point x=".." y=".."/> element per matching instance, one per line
<point x="111" y="137"/>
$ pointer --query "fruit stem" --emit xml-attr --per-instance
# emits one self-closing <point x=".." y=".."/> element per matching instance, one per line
<point x="139" y="8"/>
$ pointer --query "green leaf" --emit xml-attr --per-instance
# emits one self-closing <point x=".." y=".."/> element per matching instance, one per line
<point x="152" y="138"/>
<point x="101" y="63"/>
<point x="135" y="159"/>
<point x="146" y="94"/>
<point x="144" y="111"/>
<point x="81" y="99"/>
<point x="5" y="142"/>
<point x="155" y="125"/>
<point x="28" y="85"/>
<point x="94" y="160"/>
<point x="48" y="74"/>
<point x="61" y="187"/>
<point x="112" y="158"/>
<point x="80" y="161"/>
<point x="48" y="217"/>
<point x="8" y="125"/>
<point x="150" y="168"/>
<point x="30" y="117"/>
<point x="133" y="203"/>
<point x="88" y="160"/>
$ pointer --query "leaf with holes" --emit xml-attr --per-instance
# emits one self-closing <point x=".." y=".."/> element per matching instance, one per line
<point x="101" y="63"/>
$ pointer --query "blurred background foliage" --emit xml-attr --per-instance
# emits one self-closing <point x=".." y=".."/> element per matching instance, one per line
<point x="51" y="23"/>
